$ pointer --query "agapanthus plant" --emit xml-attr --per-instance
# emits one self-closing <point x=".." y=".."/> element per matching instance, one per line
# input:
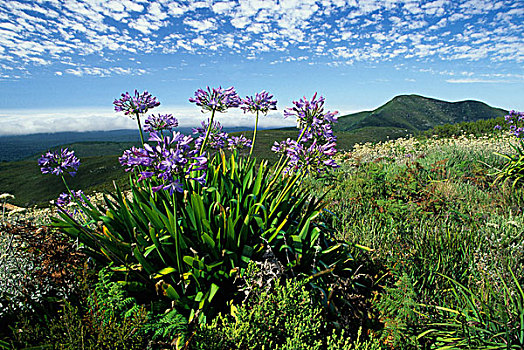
<point x="260" y="103"/>
<point x="514" y="168"/>
<point x="135" y="106"/>
<point x="214" y="100"/>
<point x="190" y="224"/>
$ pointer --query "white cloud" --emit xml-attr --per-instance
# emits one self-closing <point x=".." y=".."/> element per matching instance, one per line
<point x="475" y="81"/>
<point x="201" y="25"/>
<point x="20" y="122"/>
<point x="42" y="33"/>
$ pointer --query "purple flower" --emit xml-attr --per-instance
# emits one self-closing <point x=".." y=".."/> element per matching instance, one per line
<point x="512" y="119"/>
<point x="216" y="99"/>
<point x="173" y="185"/>
<point x="58" y="162"/>
<point x="311" y="118"/>
<point x="283" y="146"/>
<point x="497" y="127"/>
<point x="261" y="102"/>
<point x="172" y="158"/>
<point x="238" y="142"/>
<point x="135" y="157"/>
<point x="138" y="104"/>
<point x="160" y="122"/>
<point x="217" y="137"/>
<point x="200" y="164"/>
<point x="66" y="198"/>
<point x="315" y="147"/>
<point x="315" y="157"/>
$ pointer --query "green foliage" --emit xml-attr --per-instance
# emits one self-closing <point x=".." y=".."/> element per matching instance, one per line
<point x="477" y="321"/>
<point x="398" y="308"/>
<point x="513" y="169"/>
<point x="168" y="329"/>
<point x="110" y="321"/>
<point x="477" y="128"/>
<point x="114" y="318"/>
<point x="434" y="221"/>
<point x="339" y="341"/>
<point x="280" y="315"/>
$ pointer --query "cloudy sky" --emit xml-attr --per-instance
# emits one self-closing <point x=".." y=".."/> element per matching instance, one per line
<point x="63" y="62"/>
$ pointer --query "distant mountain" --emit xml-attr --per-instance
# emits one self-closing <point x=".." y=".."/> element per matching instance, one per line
<point x="412" y="113"/>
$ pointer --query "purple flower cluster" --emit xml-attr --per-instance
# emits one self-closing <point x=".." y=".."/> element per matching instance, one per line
<point x="217" y="137"/>
<point x="66" y="198"/>
<point x="238" y="142"/>
<point x="171" y="159"/>
<point x="515" y="121"/>
<point x="58" y="162"/>
<point x="315" y="147"/>
<point x="138" y="104"/>
<point x="262" y="102"/>
<point x="307" y="156"/>
<point x="160" y="122"/>
<point x="216" y="99"/>
<point x="312" y="121"/>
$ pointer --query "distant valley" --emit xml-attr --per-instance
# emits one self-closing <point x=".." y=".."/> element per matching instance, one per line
<point x="20" y="147"/>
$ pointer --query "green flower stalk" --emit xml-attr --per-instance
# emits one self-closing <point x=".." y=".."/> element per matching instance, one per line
<point x="260" y="103"/>
<point x="214" y="100"/>
<point x="136" y="105"/>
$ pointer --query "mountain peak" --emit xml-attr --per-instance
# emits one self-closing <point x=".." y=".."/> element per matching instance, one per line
<point x="412" y="113"/>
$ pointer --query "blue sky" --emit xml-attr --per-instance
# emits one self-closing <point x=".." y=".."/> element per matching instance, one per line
<point x="62" y="62"/>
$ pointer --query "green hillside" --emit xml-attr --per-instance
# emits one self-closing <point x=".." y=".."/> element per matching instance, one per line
<point x="415" y="113"/>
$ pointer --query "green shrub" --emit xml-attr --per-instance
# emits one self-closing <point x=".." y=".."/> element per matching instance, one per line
<point x="285" y="316"/>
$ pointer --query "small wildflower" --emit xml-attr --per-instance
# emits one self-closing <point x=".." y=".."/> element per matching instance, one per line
<point x="6" y="196"/>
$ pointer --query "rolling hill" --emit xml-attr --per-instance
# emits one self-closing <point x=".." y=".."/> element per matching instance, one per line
<point x="406" y="114"/>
